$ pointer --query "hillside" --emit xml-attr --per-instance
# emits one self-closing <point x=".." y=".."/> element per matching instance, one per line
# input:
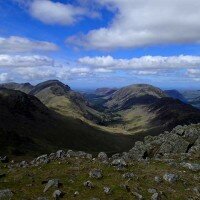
<point x="175" y="94"/>
<point x="27" y="127"/>
<point x="147" y="109"/>
<point x="23" y="87"/>
<point x="131" y="95"/>
<point x="162" y="167"/>
<point x="65" y="101"/>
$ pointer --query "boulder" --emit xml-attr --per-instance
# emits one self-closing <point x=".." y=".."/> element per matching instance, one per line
<point x="96" y="173"/>
<point x="102" y="156"/>
<point x="6" y="194"/>
<point x="51" y="183"/>
<point x="170" y="177"/>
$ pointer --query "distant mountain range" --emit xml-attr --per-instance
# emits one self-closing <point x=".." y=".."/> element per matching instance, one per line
<point x="42" y="118"/>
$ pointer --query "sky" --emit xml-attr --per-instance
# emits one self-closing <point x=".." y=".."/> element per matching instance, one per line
<point x="101" y="43"/>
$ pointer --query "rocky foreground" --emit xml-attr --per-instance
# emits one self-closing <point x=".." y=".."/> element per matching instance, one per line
<point x="161" y="167"/>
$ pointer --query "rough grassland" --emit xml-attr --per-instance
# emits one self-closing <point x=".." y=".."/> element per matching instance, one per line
<point x="26" y="183"/>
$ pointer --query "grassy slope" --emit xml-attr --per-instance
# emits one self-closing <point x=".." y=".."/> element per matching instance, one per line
<point x="29" y="180"/>
<point x="27" y="126"/>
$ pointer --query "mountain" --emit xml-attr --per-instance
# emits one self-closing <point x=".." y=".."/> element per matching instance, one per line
<point x="104" y="91"/>
<point x="27" y="127"/>
<point x="23" y="87"/>
<point x="192" y="97"/>
<point x="144" y="109"/>
<point x="133" y="95"/>
<point x="175" y="95"/>
<point x="62" y="99"/>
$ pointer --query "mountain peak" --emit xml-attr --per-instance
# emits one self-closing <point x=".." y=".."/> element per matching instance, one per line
<point x="56" y="86"/>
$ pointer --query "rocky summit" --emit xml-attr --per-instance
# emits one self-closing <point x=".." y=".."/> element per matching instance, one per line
<point x="161" y="167"/>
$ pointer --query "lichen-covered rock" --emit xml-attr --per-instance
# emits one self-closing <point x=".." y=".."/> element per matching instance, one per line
<point x="51" y="183"/>
<point x="170" y="177"/>
<point x="57" y="194"/>
<point x="128" y="175"/>
<point x="102" y="156"/>
<point x="107" y="190"/>
<point x="88" y="184"/>
<point x="96" y="173"/>
<point x="6" y="194"/>
<point x="192" y="166"/>
<point x="119" y="162"/>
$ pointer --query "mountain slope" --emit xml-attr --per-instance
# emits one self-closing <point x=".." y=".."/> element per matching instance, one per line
<point x="65" y="101"/>
<point x="132" y="95"/>
<point x="175" y="95"/>
<point x="23" y="87"/>
<point x="27" y="127"/>
<point x="147" y="109"/>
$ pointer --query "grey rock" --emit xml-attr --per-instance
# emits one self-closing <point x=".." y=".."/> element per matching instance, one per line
<point x="155" y="196"/>
<point x="71" y="153"/>
<point x="88" y="184"/>
<point x="137" y="195"/>
<point x="96" y="173"/>
<point x="152" y="190"/>
<point x="76" y="193"/>
<point x="4" y="194"/>
<point x="102" y="156"/>
<point x="51" y="183"/>
<point x="42" y="198"/>
<point x="60" y="154"/>
<point x="191" y="166"/>
<point x="57" y="194"/>
<point x="107" y="190"/>
<point x="170" y="177"/>
<point x="119" y="162"/>
<point x="157" y="179"/>
<point x="4" y="159"/>
<point x="128" y="175"/>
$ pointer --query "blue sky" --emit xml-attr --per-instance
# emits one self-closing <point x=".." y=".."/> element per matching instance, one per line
<point x="90" y="43"/>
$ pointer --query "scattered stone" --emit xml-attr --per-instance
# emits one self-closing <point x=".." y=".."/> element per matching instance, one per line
<point x="128" y="175"/>
<point x="155" y="196"/>
<point x="42" y="198"/>
<point x="157" y="179"/>
<point x="102" y="156"/>
<point x="107" y="190"/>
<point x="192" y="166"/>
<point x="170" y="177"/>
<point x="126" y="187"/>
<point x="4" y="194"/>
<point x="60" y="154"/>
<point x="51" y="183"/>
<point x="137" y="195"/>
<point x="119" y="162"/>
<point x="70" y="153"/>
<point x="76" y="193"/>
<point x="96" y="173"/>
<point x="196" y="191"/>
<point x="94" y="199"/>
<point x="4" y="159"/>
<point x="88" y="184"/>
<point x="57" y="194"/>
<point x="152" y="190"/>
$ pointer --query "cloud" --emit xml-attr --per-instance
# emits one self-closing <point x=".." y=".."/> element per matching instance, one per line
<point x="50" y="12"/>
<point x="15" y="44"/>
<point x="143" y="63"/>
<point x="194" y="74"/>
<point x="4" y="77"/>
<point x="25" y="61"/>
<point x="140" y="23"/>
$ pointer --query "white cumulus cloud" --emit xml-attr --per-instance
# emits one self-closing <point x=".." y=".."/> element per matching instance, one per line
<point x="143" y="23"/>
<point x="25" y="61"/>
<point x="51" y="12"/>
<point x="15" y="44"/>
<point x="142" y="63"/>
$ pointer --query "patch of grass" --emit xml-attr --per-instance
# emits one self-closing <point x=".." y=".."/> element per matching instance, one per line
<point x="26" y="183"/>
